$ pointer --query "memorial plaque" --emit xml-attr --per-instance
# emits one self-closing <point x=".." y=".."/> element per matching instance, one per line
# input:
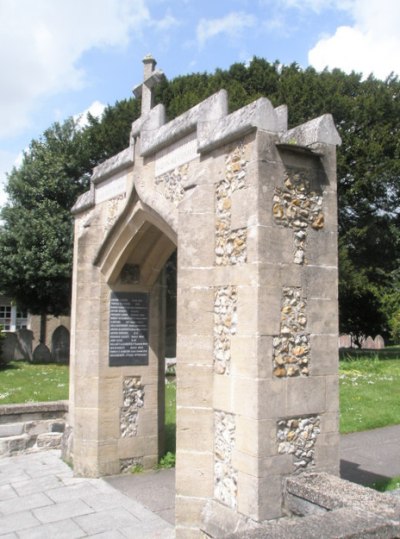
<point x="129" y="329"/>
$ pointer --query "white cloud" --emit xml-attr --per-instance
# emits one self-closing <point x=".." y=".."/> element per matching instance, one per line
<point x="96" y="109"/>
<point x="7" y="161"/>
<point x="41" y="43"/>
<point x="370" y="45"/>
<point x="230" y="25"/>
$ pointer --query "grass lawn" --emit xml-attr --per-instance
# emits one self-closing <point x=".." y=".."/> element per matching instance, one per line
<point x="25" y="382"/>
<point x="369" y="394"/>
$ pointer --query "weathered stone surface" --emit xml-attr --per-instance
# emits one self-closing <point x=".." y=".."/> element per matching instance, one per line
<point x="252" y="211"/>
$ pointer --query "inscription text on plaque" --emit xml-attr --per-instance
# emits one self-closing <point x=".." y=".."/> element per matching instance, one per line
<point x="129" y="323"/>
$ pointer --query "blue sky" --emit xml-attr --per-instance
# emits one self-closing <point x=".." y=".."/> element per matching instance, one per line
<point x="59" y="58"/>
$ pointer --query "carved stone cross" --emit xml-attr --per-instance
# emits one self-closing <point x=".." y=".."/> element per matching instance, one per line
<point x="150" y="79"/>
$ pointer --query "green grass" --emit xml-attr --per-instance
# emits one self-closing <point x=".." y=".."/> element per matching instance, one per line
<point x="386" y="484"/>
<point x="369" y="394"/>
<point x="26" y="382"/>
<point x="170" y="417"/>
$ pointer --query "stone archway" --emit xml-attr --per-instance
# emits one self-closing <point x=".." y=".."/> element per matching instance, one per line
<point x="251" y="208"/>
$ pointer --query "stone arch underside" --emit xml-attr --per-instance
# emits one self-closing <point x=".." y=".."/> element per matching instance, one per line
<point x="140" y="237"/>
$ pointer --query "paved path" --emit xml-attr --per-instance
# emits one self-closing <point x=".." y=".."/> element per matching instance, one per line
<point x="370" y="456"/>
<point x="40" y="498"/>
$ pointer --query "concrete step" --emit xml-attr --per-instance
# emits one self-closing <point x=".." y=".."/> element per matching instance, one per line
<point x="11" y="429"/>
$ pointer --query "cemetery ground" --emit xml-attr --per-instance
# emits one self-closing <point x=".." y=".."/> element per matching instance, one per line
<point x="369" y="394"/>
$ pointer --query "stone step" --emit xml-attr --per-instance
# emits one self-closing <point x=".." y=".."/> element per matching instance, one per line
<point x="11" y="429"/>
<point x="14" y="444"/>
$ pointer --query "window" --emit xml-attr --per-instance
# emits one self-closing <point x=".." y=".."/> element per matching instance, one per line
<point x="5" y="317"/>
<point x="11" y="317"/>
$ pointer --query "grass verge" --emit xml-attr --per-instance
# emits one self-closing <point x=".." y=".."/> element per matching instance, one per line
<point x="369" y="394"/>
<point x="27" y="382"/>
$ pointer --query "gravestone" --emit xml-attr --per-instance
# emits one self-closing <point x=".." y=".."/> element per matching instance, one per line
<point x="25" y="339"/>
<point x="251" y="208"/>
<point x="379" y="342"/>
<point x="41" y="354"/>
<point x="60" y="343"/>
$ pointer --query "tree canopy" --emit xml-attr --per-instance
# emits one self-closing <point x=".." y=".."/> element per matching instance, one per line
<point x="36" y="239"/>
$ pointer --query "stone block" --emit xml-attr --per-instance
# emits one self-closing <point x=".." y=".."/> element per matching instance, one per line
<point x="244" y="204"/>
<point x="14" y="444"/>
<point x="49" y="440"/>
<point x="86" y="424"/>
<point x="194" y="474"/>
<point x="195" y="349"/>
<point x="11" y="429"/>
<point x="322" y="316"/>
<point x="321" y="282"/>
<point x="194" y="394"/>
<point x="255" y="437"/>
<point x="195" y="311"/>
<point x="259" y="398"/>
<point x="269" y="310"/>
<point x="195" y="429"/>
<point x="330" y="422"/>
<point x="322" y="248"/>
<point x="244" y="356"/>
<point x="324" y="357"/>
<point x="223" y="393"/>
<point x="197" y="250"/>
<point x="188" y="510"/>
<point x="332" y="393"/>
<point x="305" y="396"/>
<point x="259" y="499"/>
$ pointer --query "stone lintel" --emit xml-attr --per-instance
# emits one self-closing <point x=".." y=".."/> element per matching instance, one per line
<point x="319" y="131"/>
<point x="211" y="109"/>
<point x="84" y="201"/>
<point x="257" y="115"/>
<point x="113" y="165"/>
<point x="214" y="127"/>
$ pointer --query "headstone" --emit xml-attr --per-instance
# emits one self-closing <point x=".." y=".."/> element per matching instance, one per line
<point x="60" y="345"/>
<point x="379" y="342"/>
<point x="41" y="354"/>
<point x="368" y="343"/>
<point x="10" y="346"/>
<point x="25" y="339"/>
<point x="345" y="341"/>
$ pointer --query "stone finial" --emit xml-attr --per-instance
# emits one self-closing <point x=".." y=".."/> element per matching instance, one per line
<point x="151" y="77"/>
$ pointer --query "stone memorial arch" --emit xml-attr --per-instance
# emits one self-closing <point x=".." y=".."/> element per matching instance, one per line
<point x="251" y="208"/>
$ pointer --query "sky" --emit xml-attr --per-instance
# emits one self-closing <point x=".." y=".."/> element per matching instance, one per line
<point x="61" y="58"/>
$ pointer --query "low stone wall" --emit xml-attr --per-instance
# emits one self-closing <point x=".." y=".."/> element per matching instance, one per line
<point x="31" y="427"/>
<point x="329" y="507"/>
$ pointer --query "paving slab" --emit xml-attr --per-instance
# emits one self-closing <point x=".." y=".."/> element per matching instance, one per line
<point x="40" y="499"/>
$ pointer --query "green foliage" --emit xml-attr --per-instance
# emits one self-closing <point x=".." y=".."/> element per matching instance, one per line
<point x="136" y="468"/>
<point x="35" y="242"/>
<point x="27" y="382"/>
<point x="37" y="236"/>
<point x="167" y="461"/>
<point x="385" y="485"/>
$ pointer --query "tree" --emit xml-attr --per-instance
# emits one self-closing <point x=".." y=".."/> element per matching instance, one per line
<point x="36" y="257"/>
